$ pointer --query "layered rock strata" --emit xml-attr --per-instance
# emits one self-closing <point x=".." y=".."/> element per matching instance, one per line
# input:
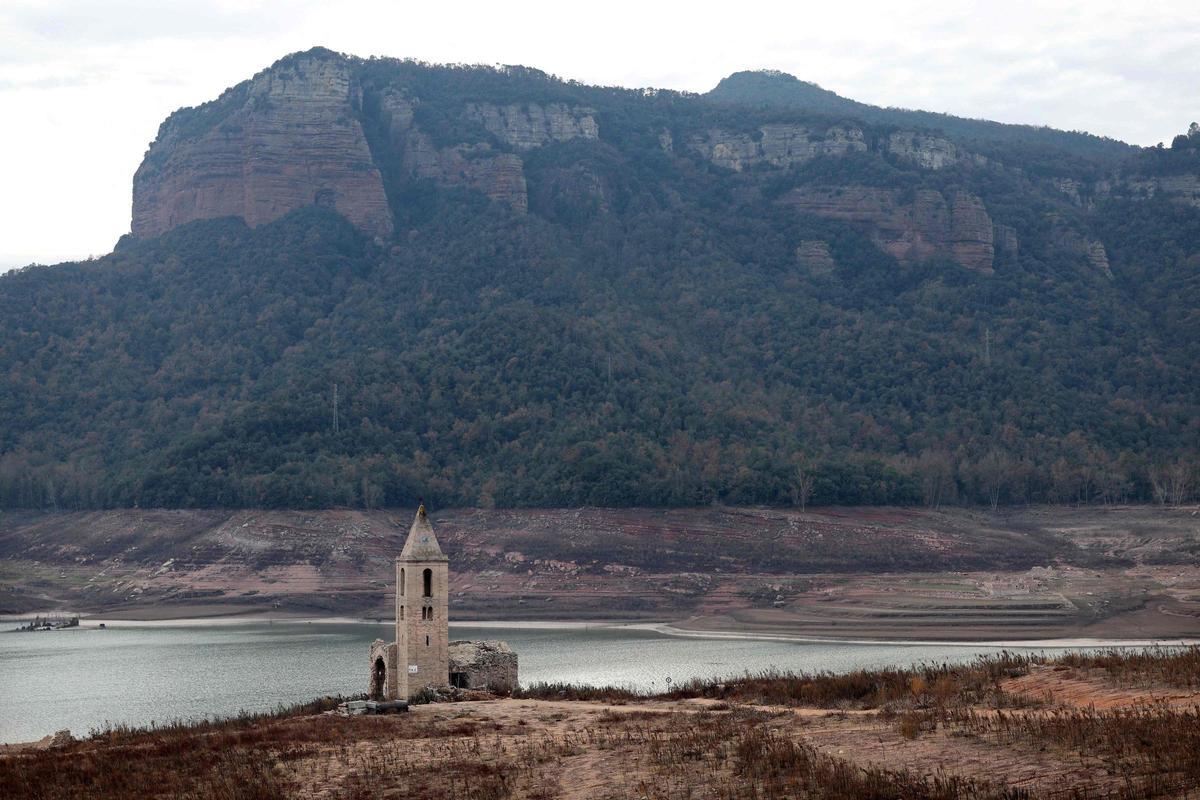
<point x="529" y="125"/>
<point x="500" y="176"/>
<point x="928" y="152"/>
<point x="1005" y="240"/>
<point x="814" y="255"/>
<point x="929" y="224"/>
<point x="779" y="145"/>
<point x="1067" y="238"/>
<point x="1179" y="188"/>
<point x="287" y="138"/>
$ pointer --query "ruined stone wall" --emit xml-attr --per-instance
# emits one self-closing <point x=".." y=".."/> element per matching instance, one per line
<point x="490" y="666"/>
<point x="388" y="653"/>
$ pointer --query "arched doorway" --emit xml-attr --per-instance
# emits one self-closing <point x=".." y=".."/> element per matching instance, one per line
<point x="378" y="679"/>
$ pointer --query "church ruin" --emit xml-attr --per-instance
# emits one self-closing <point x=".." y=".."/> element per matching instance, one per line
<point x="422" y="657"/>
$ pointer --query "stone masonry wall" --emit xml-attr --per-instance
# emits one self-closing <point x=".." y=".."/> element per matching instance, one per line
<point x="483" y="665"/>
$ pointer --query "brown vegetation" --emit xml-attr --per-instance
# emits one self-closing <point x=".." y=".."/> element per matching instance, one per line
<point x="942" y="733"/>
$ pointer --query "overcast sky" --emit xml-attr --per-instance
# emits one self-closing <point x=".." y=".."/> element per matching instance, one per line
<point x="85" y="83"/>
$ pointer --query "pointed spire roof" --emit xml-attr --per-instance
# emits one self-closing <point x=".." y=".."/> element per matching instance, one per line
<point x="421" y="544"/>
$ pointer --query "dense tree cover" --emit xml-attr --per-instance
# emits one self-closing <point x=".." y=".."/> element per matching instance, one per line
<point x="645" y="335"/>
<point x="1182" y="158"/>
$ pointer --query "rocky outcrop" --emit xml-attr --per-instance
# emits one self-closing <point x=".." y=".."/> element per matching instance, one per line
<point x="500" y="176"/>
<point x="568" y="193"/>
<point x="779" y="145"/>
<point x="666" y="141"/>
<point x="1070" y="188"/>
<point x="783" y="145"/>
<point x="530" y="125"/>
<point x="1005" y="240"/>
<point x="929" y="152"/>
<point x="928" y="225"/>
<point x="285" y="139"/>
<point x="814" y="255"/>
<point x="1067" y="239"/>
<point x="1179" y="188"/>
<point x="1097" y="257"/>
<point x="970" y="234"/>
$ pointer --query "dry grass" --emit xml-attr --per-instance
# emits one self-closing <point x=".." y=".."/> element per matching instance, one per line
<point x="747" y="742"/>
<point x="1175" y="667"/>
<point x="245" y="756"/>
<point x="924" y="685"/>
<point x="752" y="755"/>
<point x="1155" y="750"/>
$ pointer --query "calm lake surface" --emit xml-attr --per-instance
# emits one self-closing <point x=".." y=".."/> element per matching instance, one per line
<point x="84" y="678"/>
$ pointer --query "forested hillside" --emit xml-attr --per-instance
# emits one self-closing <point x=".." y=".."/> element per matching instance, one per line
<point x="612" y="297"/>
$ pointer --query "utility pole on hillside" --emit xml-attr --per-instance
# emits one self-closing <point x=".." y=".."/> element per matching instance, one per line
<point x="335" y="410"/>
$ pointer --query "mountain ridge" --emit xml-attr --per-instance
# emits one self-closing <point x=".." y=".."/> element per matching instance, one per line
<point x="470" y="150"/>
<point x="534" y="292"/>
<point x="776" y="88"/>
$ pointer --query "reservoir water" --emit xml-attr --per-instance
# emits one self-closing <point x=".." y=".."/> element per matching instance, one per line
<point x="84" y="678"/>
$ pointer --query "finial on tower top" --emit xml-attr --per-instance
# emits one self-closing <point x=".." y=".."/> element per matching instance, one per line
<point x="421" y="510"/>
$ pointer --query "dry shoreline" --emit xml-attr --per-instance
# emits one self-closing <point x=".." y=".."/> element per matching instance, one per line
<point x="1095" y="727"/>
<point x="872" y="574"/>
<point x="666" y="628"/>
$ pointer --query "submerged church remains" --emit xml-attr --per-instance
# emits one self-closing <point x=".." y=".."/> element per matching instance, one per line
<point x="423" y="657"/>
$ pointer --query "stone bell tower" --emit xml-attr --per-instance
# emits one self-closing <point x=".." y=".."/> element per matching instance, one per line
<point x="422" y="607"/>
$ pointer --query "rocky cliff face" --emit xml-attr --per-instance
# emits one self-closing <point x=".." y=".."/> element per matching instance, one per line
<point x="929" y="152"/>
<point x="477" y="166"/>
<point x="970" y="234"/>
<point x="1179" y="188"/>
<point x="779" y="145"/>
<point x="1005" y="240"/>
<point x="929" y="224"/>
<point x="530" y="125"/>
<point x="783" y="145"/>
<point x="318" y="127"/>
<point x="287" y="138"/>
<point x="293" y="135"/>
<point x="1067" y="239"/>
<point x="815" y="256"/>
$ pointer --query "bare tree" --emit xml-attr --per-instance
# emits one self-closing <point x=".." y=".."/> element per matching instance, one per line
<point x="370" y="493"/>
<point x="1179" y="482"/>
<point x="1158" y="484"/>
<point x="802" y="482"/>
<point x="937" y="477"/>
<point x="995" y="468"/>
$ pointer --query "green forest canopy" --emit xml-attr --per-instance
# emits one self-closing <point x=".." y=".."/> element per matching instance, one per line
<point x="653" y="341"/>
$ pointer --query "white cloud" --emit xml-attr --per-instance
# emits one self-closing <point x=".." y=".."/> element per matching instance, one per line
<point x="84" y="85"/>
